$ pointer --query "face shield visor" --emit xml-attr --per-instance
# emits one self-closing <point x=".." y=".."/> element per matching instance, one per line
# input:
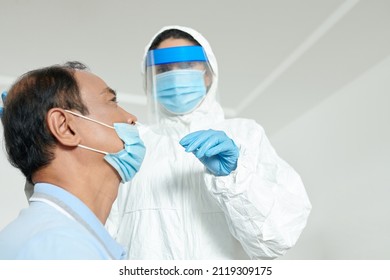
<point x="177" y="80"/>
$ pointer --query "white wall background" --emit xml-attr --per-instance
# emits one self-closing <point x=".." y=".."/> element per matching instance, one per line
<point x="327" y="114"/>
<point x="341" y="148"/>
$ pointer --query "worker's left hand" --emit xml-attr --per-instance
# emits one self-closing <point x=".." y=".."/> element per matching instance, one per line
<point x="214" y="149"/>
<point x="3" y="96"/>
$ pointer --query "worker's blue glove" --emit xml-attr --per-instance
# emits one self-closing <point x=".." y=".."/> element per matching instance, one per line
<point x="3" y="96"/>
<point x="214" y="149"/>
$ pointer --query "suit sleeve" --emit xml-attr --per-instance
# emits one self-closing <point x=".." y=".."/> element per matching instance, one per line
<point x="264" y="199"/>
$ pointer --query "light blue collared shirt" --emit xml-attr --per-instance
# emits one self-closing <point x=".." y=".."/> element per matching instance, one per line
<point x="57" y="226"/>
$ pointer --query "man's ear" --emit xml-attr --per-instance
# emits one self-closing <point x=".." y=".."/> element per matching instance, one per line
<point x="62" y="127"/>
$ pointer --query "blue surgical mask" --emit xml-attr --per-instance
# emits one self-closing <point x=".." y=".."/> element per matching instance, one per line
<point x="180" y="91"/>
<point x="128" y="160"/>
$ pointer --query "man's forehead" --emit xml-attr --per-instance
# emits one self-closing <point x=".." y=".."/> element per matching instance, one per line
<point x="89" y="82"/>
<point x="83" y="76"/>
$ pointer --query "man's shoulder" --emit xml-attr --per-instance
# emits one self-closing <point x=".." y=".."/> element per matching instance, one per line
<point x="37" y="218"/>
<point x="50" y="237"/>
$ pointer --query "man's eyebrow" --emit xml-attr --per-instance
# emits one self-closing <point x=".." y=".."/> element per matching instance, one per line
<point x="109" y="90"/>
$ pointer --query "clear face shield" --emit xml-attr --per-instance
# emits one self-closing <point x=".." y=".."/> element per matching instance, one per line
<point x="177" y="80"/>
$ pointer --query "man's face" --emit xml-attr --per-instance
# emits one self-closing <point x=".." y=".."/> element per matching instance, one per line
<point x="101" y="103"/>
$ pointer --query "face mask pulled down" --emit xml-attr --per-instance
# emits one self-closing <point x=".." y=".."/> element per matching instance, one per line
<point x="128" y="160"/>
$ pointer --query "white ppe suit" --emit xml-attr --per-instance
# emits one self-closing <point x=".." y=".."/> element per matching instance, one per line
<point x="175" y="209"/>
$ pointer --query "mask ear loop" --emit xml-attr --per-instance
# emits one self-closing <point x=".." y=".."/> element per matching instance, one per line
<point x="92" y="149"/>
<point x="86" y="118"/>
<point x="92" y="120"/>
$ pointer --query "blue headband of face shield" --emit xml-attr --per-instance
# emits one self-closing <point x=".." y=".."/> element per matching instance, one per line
<point x="175" y="55"/>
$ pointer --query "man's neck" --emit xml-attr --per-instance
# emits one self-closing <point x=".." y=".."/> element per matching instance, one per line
<point x="98" y="192"/>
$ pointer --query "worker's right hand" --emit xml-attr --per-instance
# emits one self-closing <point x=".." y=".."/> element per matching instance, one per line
<point x="214" y="149"/>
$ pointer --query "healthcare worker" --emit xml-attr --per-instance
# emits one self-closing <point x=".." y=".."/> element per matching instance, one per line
<point x="209" y="187"/>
